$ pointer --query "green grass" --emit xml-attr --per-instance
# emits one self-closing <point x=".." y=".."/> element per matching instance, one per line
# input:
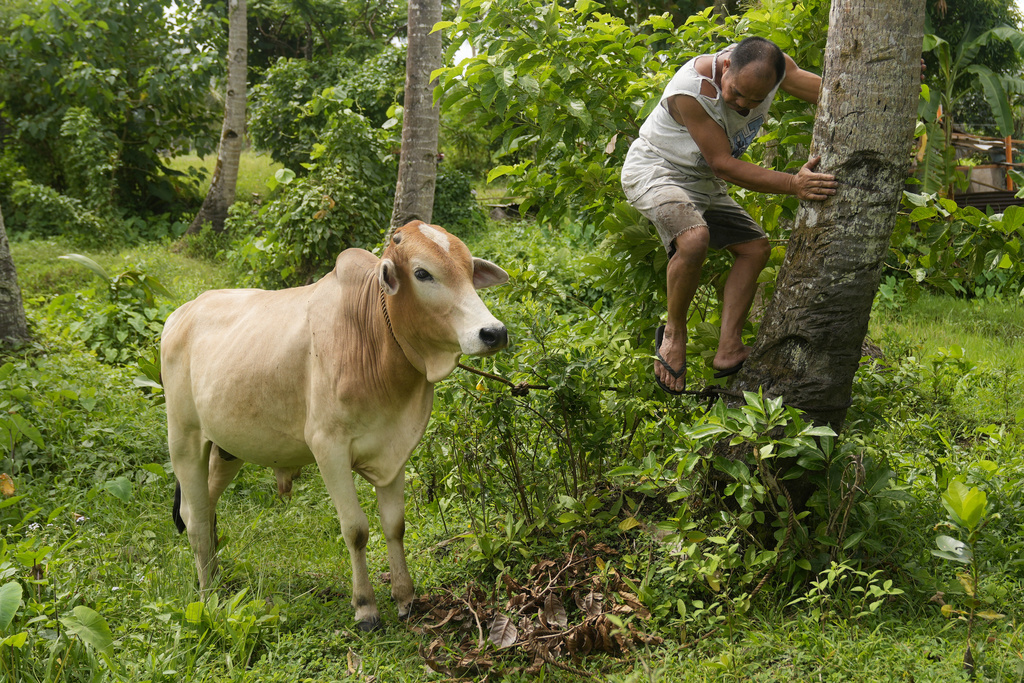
<point x="255" y="169"/>
<point x="989" y="331"/>
<point x="125" y="560"/>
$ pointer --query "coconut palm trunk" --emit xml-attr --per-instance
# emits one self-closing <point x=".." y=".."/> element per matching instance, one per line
<point x="417" y="169"/>
<point x="809" y="343"/>
<point x="13" y="329"/>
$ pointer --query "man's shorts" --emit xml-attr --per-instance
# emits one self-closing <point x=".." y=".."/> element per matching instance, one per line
<point x="675" y="203"/>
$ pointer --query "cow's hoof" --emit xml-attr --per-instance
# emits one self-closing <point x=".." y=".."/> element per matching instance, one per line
<point x="367" y="625"/>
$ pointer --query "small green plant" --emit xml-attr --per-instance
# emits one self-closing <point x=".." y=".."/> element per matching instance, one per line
<point x="967" y="511"/>
<point x="120" y="329"/>
<point x="852" y="592"/>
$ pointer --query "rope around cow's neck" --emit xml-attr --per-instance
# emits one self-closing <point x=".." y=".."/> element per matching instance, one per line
<point x="387" y="318"/>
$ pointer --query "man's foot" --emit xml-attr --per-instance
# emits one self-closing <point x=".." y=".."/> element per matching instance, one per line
<point x="729" y="361"/>
<point x="670" y="366"/>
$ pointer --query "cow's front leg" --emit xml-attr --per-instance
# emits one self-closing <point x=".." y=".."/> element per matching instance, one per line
<point x="391" y="501"/>
<point x="337" y="474"/>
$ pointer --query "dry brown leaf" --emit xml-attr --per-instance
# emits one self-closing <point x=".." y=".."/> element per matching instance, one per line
<point x="635" y="604"/>
<point x="355" y="663"/>
<point x="503" y="632"/>
<point x="542" y="566"/>
<point x="591" y="604"/>
<point x="554" y="611"/>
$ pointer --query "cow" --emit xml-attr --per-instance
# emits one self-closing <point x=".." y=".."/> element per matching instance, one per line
<point x="340" y="372"/>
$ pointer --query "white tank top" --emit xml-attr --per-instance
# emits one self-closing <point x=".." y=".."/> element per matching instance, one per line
<point x="673" y="142"/>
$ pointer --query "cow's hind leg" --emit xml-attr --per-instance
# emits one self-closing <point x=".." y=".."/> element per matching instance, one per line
<point x="337" y="474"/>
<point x="391" y="501"/>
<point x="190" y="454"/>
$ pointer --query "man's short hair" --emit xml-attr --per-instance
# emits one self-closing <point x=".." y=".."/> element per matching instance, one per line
<point x="757" y="50"/>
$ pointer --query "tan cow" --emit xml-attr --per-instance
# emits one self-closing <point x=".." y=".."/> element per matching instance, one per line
<point x="340" y="372"/>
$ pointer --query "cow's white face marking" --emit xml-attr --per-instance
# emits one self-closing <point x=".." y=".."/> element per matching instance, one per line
<point x="436" y="235"/>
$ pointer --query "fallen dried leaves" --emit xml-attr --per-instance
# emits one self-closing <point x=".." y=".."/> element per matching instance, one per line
<point x="473" y="635"/>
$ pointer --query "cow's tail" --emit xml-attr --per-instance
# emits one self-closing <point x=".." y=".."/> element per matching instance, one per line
<point x="176" y="510"/>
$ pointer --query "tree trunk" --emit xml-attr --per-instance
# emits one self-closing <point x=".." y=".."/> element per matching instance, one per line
<point x="221" y="194"/>
<point x="13" y="330"/>
<point x="417" y="169"/>
<point x="809" y="343"/>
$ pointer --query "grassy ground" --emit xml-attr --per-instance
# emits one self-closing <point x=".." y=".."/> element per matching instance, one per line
<point x="255" y="169"/>
<point x="82" y="536"/>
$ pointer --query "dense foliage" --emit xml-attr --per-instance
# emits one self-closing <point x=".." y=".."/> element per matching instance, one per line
<point x="95" y="92"/>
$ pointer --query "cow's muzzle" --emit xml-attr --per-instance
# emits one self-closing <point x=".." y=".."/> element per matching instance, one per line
<point x="494" y="338"/>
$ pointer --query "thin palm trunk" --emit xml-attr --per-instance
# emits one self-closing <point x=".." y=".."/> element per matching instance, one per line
<point x="417" y="170"/>
<point x="221" y="194"/>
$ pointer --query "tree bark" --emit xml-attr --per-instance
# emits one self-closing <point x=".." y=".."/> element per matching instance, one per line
<point x="809" y="343"/>
<point x="221" y="194"/>
<point x="417" y="168"/>
<point x="13" y="329"/>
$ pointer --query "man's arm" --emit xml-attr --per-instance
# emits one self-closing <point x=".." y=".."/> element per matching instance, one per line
<point x="800" y="83"/>
<point x="714" y="146"/>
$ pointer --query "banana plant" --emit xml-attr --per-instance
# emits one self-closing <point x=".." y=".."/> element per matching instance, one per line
<point x="959" y="74"/>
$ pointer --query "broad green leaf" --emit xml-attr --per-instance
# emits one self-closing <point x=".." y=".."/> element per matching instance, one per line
<point x="120" y="488"/>
<point x="995" y="96"/>
<point x="17" y="640"/>
<point x="952" y="549"/>
<point x="966" y="506"/>
<point x="991" y="615"/>
<point x="27" y="429"/>
<point x="91" y="627"/>
<point x="734" y="468"/>
<point x="10" y="599"/>
<point x="628" y="523"/>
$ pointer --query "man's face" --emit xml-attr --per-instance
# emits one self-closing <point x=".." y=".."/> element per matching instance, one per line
<point x="746" y="89"/>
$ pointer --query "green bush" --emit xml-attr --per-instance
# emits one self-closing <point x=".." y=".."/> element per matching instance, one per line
<point x="455" y="205"/>
<point x="40" y="211"/>
<point x="959" y="251"/>
<point x="345" y="201"/>
<point x="286" y="116"/>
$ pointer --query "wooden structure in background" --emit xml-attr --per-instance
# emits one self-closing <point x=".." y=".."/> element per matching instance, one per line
<point x="990" y="185"/>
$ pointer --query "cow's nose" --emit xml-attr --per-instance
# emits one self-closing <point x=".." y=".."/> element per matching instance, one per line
<point x="494" y="337"/>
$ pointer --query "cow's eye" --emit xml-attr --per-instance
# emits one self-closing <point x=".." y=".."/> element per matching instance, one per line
<point x="422" y="275"/>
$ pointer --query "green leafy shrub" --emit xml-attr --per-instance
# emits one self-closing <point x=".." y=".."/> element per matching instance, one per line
<point x="959" y="251"/>
<point x="345" y="201"/>
<point x="89" y="157"/>
<point x="138" y="75"/>
<point x="455" y="205"/>
<point x="279" y="119"/>
<point x="285" y="115"/>
<point x="40" y="211"/>
<point x="119" y="330"/>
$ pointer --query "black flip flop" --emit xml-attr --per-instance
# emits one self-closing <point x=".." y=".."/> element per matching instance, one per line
<point x="729" y="371"/>
<point x="659" y="335"/>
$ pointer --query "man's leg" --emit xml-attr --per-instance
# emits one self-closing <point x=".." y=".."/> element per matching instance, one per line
<point x="683" y="278"/>
<point x="740" y="287"/>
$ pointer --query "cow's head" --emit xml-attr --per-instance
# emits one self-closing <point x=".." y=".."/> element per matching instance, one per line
<point x="430" y="280"/>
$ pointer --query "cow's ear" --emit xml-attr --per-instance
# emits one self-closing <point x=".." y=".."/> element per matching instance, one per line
<point x="486" y="274"/>
<point x="388" y="276"/>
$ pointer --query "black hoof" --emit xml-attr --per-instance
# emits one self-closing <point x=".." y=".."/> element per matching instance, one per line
<point x="368" y="625"/>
